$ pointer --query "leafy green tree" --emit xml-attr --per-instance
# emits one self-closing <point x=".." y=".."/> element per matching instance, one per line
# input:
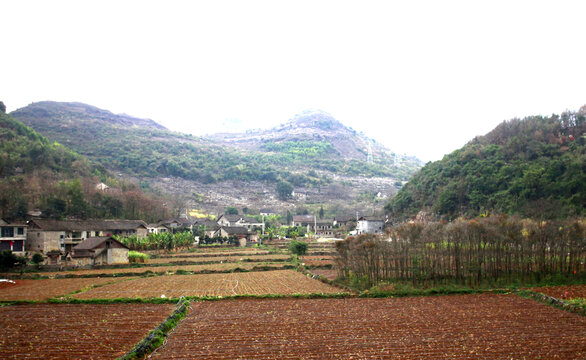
<point x="2" y="107"/>
<point x="298" y="247"/>
<point x="284" y="190"/>
<point x="321" y="212"/>
<point x="55" y="207"/>
<point x="231" y="210"/>
<point x="289" y="217"/>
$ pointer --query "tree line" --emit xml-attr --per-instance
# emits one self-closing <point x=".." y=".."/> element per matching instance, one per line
<point x="495" y="250"/>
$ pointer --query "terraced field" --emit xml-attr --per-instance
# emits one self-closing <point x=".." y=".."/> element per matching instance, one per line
<point x="284" y="282"/>
<point x="445" y="327"/>
<point x="226" y="258"/>
<point x="213" y="267"/>
<point x="49" y="288"/>
<point x="81" y="331"/>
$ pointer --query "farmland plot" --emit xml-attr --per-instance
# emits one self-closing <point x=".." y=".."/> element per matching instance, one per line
<point x="228" y="258"/>
<point x="563" y="292"/>
<point x="251" y="283"/>
<point x="164" y="269"/>
<point x="235" y="252"/>
<point x="82" y="331"/>
<point x="48" y="288"/>
<point x="483" y="326"/>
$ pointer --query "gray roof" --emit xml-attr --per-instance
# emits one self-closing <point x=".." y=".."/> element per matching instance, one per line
<point x="94" y="242"/>
<point x="83" y="225"/>
<point x="231" y="218"/>
<point x="371" y="218"/>
<point x="303" y="218"/>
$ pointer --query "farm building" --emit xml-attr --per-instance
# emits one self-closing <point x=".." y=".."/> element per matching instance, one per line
<point x="13" y="236"/>
<point x="103" y="250"/>
<point x="370" y="225"/>
<point x="62" y="235"/>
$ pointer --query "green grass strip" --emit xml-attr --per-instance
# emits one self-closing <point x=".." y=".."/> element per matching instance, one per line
<point x="577" y="306"/>
<point x="157" y="337"/>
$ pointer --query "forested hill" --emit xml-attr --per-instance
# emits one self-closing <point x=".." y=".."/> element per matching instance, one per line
<point x="39" y="174"/>
<point x="532" y="167"/>
<point x="24" y="151"/>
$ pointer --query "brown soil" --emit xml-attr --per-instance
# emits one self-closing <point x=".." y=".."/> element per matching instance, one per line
<point x="485" y="326"/>
<point x="48" y="288"/>
<point x="82" y="331"/>
<point x="563" y="292"/>
<point x="228" y="284"/>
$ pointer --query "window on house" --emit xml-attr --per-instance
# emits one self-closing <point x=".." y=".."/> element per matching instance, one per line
<point x="20" y="231"/>
<point x="7" y="232"/>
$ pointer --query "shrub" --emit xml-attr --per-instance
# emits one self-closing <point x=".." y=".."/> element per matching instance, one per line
<point x="135" y="256"/>
<point x="8" y="260"/>
<point x="298" y="247"/>
<point x="37" y="259"/>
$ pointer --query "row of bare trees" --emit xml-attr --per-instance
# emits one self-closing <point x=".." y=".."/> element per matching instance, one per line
<point x="493" y="249"/>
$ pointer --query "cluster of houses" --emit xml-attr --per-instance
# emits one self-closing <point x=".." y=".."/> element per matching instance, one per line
<point x="339" y="227"/>
<point x="90" y="242"/>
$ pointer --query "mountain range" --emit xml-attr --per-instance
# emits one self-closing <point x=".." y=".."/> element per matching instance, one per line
<point x="325" y="162"/>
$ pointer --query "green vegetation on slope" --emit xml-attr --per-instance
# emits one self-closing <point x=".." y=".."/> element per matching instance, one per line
<point x="148" y="151"/>
<point x="36" y="173"/>
<point x="534" y="167"/>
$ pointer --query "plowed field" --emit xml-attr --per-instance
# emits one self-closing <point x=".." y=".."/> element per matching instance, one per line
<point x="236" y="252"/>
<point x="328" y="274"/>
<point x="228" y="258"/>
<point x="250" y="283"/>
<point x="49" y="288"/>
<point x="82" y="331"/>
<point x="162" y="269"/>
<point x="559" y="292"/>
<point x="483" y="326"/>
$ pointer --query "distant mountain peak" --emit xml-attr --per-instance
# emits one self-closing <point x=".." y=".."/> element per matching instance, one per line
<point x="83" y="111"/>
<point x="314" y="119"/>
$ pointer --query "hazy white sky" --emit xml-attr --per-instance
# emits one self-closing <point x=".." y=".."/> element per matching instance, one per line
<point x="421" y="77"/>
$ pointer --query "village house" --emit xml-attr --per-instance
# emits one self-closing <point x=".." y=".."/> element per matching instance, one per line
<point x="267" y="212"/>
<point x="174" y="224"/>
<point x="157" y="228"/>
<point x="209" y="227"/>
<point x="370" y="225"/>
<point x="62" y="235"/>
<point x="103" y="250"/>
<point x="242" y="233"/>
<point x="13" y="236"/>
<point x="244" y="221"/>
<point x="325" y="228"/>
<point x="346" y="223"/>
<point x="307" y="221"/>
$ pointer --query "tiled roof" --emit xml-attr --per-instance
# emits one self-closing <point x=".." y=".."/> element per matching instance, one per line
<point x="83" y="225"/>
<point x="94" y="242"/>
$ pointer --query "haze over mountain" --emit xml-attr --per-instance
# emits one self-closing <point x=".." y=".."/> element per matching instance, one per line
<point x="314" y="153"/>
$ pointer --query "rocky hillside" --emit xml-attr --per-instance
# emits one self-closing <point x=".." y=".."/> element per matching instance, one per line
<point x="315" y="154"/>
<point x="532" y="167"/>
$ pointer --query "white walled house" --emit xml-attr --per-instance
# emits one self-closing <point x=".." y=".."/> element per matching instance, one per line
<point x="370" y="225"/>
